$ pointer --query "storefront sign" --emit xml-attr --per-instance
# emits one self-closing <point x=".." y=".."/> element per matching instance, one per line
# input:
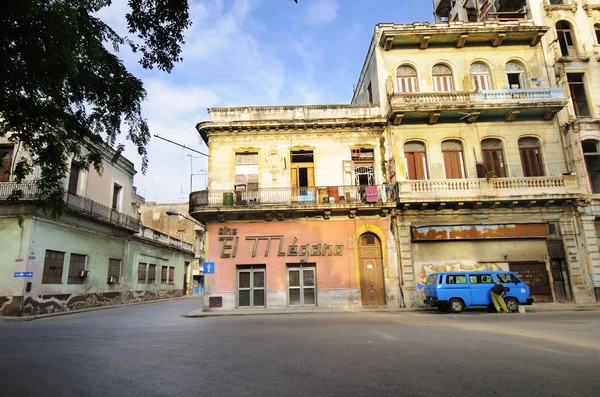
<point x="477" y="232"/>
<point x="230" y="241"/>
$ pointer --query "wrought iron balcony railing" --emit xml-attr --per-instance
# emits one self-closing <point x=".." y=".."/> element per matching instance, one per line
<point x="75" y="204"/>
<point x="294" y="196"/>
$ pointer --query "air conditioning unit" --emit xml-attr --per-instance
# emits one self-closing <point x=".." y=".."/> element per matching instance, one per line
<point x="84" y="273"/>
<point x="111" y="280"/>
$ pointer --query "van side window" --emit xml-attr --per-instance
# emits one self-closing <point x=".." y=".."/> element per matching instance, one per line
<point x="508" y="278"/>
<point x="456" y="279"/>
<point x="431" y="279"/>
<point x="481" y="279"/>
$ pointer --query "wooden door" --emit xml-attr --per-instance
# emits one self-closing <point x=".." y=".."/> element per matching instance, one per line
<point x="303" y="179"/>
<point x="417" y="166"/>
<point x="494" y="161"/>
<point x="453" y="164"/>
<point x="372" y="287"/>
<point x="532" y="162"/>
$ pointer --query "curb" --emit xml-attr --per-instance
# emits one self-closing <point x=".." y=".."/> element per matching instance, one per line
<point x="88" y="309"/>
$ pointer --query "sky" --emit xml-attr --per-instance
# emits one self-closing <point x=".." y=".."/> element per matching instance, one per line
<point x="249" y="53"/>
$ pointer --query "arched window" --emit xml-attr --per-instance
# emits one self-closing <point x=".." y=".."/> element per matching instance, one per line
<point x="416" y="160"/>
<point x="591" y="153"/>
<point x="407" y="79"/>
<point x="531" y="158"/>
<point x="515" y="74"/>
<point x="597" y="31"/>
<point x="442" y="78"/>
<point x="564" y="31"/>
<point x="454" y="166"/>
<point x="493" y="157"/>
<point x="480" y="77"/>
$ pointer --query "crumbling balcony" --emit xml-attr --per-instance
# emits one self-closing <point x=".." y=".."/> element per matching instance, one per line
<point x="467" y="106"/>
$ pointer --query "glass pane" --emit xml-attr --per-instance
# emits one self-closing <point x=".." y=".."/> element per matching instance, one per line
<point x="309" y="278"/>
<point x="259" y="279"/>
<point x="309" y="296"/>
<point x="294" y="278"/>
<point x="259" y="297"/>
<point x="294" y="296"/>
<point x="244" y="298"/>
<point x="244" y="279"/>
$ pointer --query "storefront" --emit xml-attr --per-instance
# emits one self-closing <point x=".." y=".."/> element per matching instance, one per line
<point x="310" y="263"/>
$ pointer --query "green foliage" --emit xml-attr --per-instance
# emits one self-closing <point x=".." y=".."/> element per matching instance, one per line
<point x="64" y="94"/>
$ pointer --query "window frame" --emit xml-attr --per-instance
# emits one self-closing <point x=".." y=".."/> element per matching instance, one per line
<point x="48" y="266"/>
<point x="410" y="156"/>
<point x="443" y="79"/>
<point x="112" y="264"/>
<point x="171" y="275"/>
<point x="301" y="268"/>
<point x="142" y="273"/>
<point x="407" y="83"/>
<point x="251" y="269"/>
<point x="151" y="273"/>
<point x="74" y="275"/>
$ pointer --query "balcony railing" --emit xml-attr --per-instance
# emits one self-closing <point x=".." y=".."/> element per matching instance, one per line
<point x="75" y="204"/>
<point x="446" y="99"/>
<point x="482" y="188"/>
<point x="288" y="196"/>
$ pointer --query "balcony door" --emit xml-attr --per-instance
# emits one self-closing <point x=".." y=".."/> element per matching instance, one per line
<point x="442" y="78"/>
<point x="6" y="153"/>
<point x="303" y="175"/>
<point x="480" y="77"/>
<point x="416" y="160"/>
<point x="406" y="78"/>
<point x="493" y="157"/>
<point x="531" y="158"/>
<point x="454" y="166"/>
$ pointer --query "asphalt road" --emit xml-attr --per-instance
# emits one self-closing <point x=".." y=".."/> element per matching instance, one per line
<point x="150" y="350"/>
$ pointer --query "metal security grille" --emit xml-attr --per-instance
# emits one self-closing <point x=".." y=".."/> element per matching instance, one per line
<point x="53" y="267"/>
<point x="76" y="266"/>
<point x="368" y="239"/>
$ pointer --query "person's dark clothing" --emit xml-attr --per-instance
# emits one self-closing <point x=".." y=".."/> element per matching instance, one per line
<point x="498" y="289"/>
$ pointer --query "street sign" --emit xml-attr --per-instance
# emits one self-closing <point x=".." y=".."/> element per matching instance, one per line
<point x="209" y="267"/>
<point x="23" y="274"/>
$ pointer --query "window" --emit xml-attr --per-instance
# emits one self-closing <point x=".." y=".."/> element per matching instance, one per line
<point x="370" y="91"/>
<point x="557" y="2"/>
<point x="508" y="279"/>
<point x="53" y="267"/>
<point x="116" y="198"/>
<point x="6" y="153"/>
<point x="456" y="279"/>
<point x="515" y="74"/>
<point x="151" y="274"/>
<point x="302" y="286"/>
<point x="246" y="170"/>
<point x="531" y="158"/>
<point x="597" y="32"/>
<point x="142" y="273"/>
<point x="591" y="153"/>
<point x="481" y="279"/>
<point x="564" y="34"/>
<point x="454" y="167"/>
<point x="431" y="279"/>
<point x="76" y="266"/>
<point x="493" y="158"/>
<point x="114" y="270"/>
<point x="303" y="174"/>
<point x="480" y="77"/>
<point x="364" y="172"/>
<point x="171" y="275"/>
<point x="251" y="286"/>
<point x="578" y="94"/>
<point x="416" y="161"/>
<point x="442" y="78"/>
<point x="74" y="178"/>
<point x="406" y="77"/>
<point x="164" y="274"/>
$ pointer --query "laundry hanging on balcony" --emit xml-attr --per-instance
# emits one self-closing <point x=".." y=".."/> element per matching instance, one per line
<point x="372" y="194"/>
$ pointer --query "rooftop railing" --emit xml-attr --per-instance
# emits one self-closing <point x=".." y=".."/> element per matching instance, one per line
<point x="485" y="96"/>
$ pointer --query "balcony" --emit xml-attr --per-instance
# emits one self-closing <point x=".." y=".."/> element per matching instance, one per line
<point x="75" y="204"/>
<point x="279" y="202"/>
<point x="164" y="239"/>
<point x="456" y="106"/>
<point x="491" y="193"/>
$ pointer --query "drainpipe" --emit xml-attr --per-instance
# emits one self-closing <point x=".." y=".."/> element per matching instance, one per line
<point x="396" y="232"/>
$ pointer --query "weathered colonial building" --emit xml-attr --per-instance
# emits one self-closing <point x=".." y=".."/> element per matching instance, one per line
<point x="96" y="254"/>
<point x="570" y="49"/>
<point x="450" y="157"/>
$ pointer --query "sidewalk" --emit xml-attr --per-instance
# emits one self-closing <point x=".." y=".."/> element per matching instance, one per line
<point x="535" y="308"/>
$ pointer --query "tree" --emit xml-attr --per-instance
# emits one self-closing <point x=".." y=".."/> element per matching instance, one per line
<point x="65" y="94"/>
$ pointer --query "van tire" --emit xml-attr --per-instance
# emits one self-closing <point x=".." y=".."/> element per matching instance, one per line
<point x="456" y="305"/>
<point x="512" y="304"/>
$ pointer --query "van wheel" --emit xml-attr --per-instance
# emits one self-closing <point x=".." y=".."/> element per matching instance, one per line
<point x="512" y="304"/>
<point x="456" y="305"/>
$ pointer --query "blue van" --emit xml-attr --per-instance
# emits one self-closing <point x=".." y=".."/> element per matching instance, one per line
<point x="457" y="290"/>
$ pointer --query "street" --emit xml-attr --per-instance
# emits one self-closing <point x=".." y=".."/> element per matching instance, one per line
<point x="150" y="350"/>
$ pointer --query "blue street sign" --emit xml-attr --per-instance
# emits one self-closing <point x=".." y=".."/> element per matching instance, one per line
<point x="209" y="267"/>
<point x="23" y="274"/>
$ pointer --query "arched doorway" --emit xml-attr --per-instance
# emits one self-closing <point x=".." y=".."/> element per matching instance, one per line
<point x="372" y="287"/>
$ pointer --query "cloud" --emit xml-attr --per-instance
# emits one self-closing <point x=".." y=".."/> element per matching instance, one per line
<point x="168" y="101"/>
<point x="321" y="11"/>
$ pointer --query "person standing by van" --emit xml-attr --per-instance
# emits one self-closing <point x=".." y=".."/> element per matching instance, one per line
<point x="497" y="294"/>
